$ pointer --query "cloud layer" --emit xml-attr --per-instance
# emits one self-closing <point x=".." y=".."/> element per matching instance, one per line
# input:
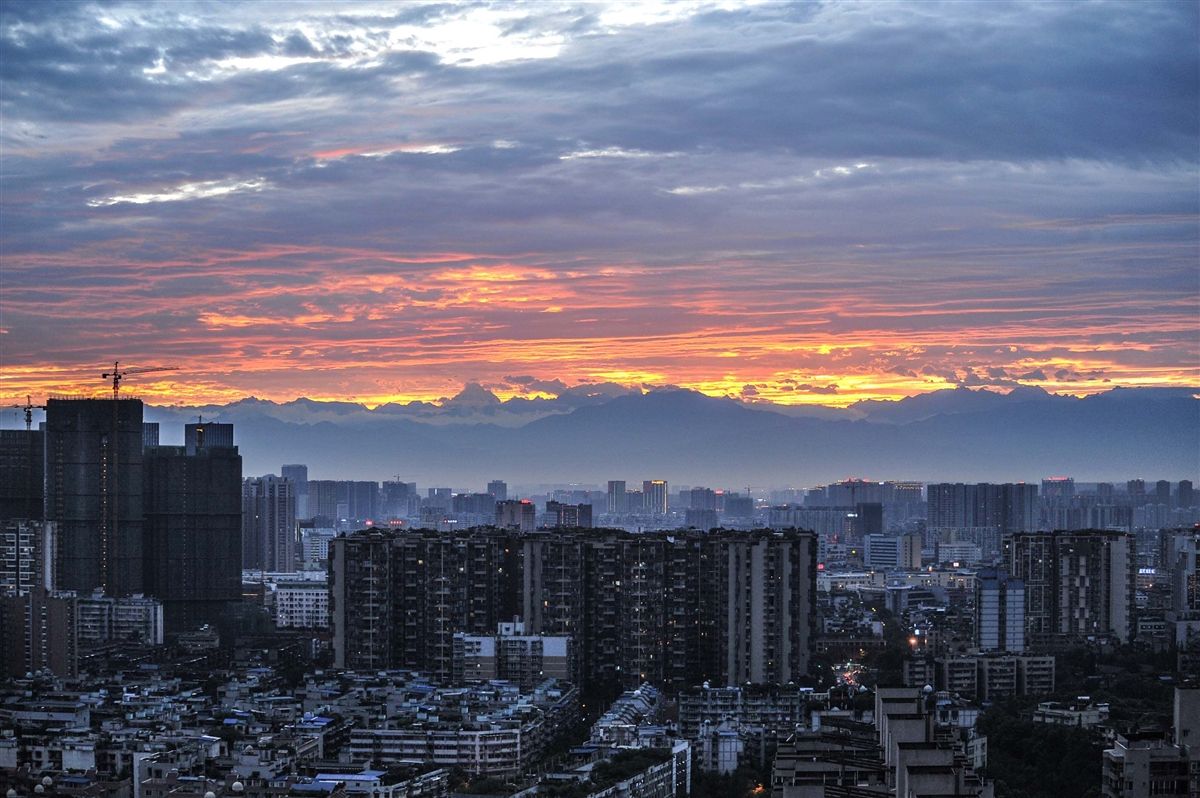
<point x="793" y="203"/>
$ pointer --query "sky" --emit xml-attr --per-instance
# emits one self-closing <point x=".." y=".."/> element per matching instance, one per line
<point x="797" y="203"/>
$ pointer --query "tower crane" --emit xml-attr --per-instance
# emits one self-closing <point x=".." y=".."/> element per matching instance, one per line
<point x="28" y="407"/>
<point x="117" y="374"/>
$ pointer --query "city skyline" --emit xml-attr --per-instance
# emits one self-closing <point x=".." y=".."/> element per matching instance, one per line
<point x="810" y="204"/>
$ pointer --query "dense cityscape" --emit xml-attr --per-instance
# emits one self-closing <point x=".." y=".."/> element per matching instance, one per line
<point x="599" y="399"/>
<point x="174" y="627"/>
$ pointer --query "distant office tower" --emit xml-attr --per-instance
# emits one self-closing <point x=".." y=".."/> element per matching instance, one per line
<point x="479" y="508"/>
<point x="907" y="492"/>
<point x="499" y="489"/>
<point x="26" y="556"/>
<point x="207" y="434"/>
<point x="702" y="499"/>
<point x="362" y="501"/>
<point x="1184" y="495"/>
<point x="1105" y="492"/>
<point x="149" y="433"/>
<point x="735" y="505"/>
<point x="616" y="497"/>
<point x="1077" y="584"/>
<point x="701" y="519"/>
<point x="999" y="611"/>
<point x="437" y="503"/>
<point x="850" y="492"/>
<point x="1162" y="492"/>
<point x="1008" y="507"/>
<point x="654" y="496"/>
<point x="298" y="474"/>
<point x="399" y="500"/>
<point x="887" y="552"/>
<point x="323" y="501"/>
<point x="516" y="514"/>
<point x="22" y="466"/>
<point x="1055" y="488"/>
<point x="94" y="493"/>
<point x="672" y="608"/>
<point x="570" y="516"/>
<point x="193" y="529"/>
<point x="269" y="524"/>
<point x="1136" y="490"/>
<point x="867" y="520"/>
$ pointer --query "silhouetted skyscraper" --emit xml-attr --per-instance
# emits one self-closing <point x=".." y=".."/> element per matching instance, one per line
<point x="1184" y="495"/>
<point x="654" y="496"/>
<point x="616" y="496"/>
<point x="193" y="552"/>
<point x="94" y="493"/>
<point x="499" y="489"/>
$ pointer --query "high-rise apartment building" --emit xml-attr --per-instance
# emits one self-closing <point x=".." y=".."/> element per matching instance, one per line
<point x="999" y="612"/>
<point x="94" y="493"/>
<point x="1183" y="561"/>
<point x="674" y="608"/>
<point x="22" y="456"/>
<point x="654" y="496"/>
<point x="26" y="556"/>
<point x="396" y="600"/>
<point x="499" y="489"/>
<point x="1077" y="584"/>
<point x="1007" y="507"/>
<point x="40" y="631"/>
<point x="569" y="516"/>
<point x="193" y="528"/>
<point x="269" y="532"/>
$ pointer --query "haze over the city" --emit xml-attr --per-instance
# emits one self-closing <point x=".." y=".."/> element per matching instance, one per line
<point x="803" y="204"/>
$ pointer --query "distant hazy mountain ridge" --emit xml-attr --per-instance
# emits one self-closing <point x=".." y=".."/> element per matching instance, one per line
<point x="594" y="433"/>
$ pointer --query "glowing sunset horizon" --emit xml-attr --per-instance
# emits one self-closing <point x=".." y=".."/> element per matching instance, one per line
<point x="803" y="205"/>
